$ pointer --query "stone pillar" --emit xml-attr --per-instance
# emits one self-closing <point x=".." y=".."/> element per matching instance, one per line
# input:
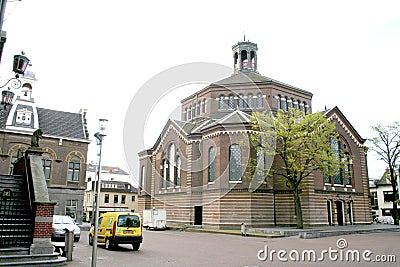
<point x="43" y="208"/>
<point x="43" y="212"/>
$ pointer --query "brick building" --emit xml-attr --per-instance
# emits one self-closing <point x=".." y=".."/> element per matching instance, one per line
<point x="64" y="143"/>
<point x="195" y="169"/>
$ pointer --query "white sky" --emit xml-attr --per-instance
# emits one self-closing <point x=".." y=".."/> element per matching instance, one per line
<point x="96" y="54"/>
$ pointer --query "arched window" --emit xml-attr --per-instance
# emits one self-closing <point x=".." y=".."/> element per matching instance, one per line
<point x="231" y="102"/>
<point x="204" y="106"/>
<point x="199" y="108"/>
<point x="164" y="174"/>
<point x="291" y="103"/>
<point x="296" y="104"/>
<point x="211" y="165"/>
<point x="235" y="163"/>
<point x="303" y="107"/>
<point x="171" y="159"/>
<point x="194" y="110"/>
<point x="74" y="169"/>
<point x="47" y="166"/>
<point x="221" y="102"/>
<point x="260" y="164"/>
<point x="285" y="104"/>
<point x="142" y="177"/>
<point x="278" y="102"/>
<point x="259" y="100"/>
<point x="337" y="177"/>
<point x="250" y="103"/>
<point x="347" y="169"/>
<point x="245" y="61"/>
<point x="178" y="171"/>
<point x="241" y="101"/>
<point x="190" y="113"/>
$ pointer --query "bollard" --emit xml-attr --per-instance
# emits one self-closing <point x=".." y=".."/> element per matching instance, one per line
<point x="69" y="244"/>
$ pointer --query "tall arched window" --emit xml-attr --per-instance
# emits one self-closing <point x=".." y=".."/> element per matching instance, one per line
<point x="241" y="101"/>
<point x="190" y="113"/>
<point x="337" y="177"/>
<point x="347" y="169"/>
<point x="260" y="164"/>
<point x="142" y="177"/>
<point x="250" y="103"/>
<point x="211" y="164"/>
<point x="259" y="100"/>
<point x="278" y="102"/>
<point x="204" y="106"/>
<point x="194" y="110"/>
<point x="178" y="171"/>
<point x="47" y="167"/>
<point x="221" y="102"/>
<point x="235" y="163"/>
<point x="172" y="164"/>
<point x="164" y="174"/>
<point x="231" y="102"/>
<point x="304" y="107"/>
<point x="74" y="169"/>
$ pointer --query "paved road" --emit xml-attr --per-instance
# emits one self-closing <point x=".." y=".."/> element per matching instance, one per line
<point x="173" y="248"/>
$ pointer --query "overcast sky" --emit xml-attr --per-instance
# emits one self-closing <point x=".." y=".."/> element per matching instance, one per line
<point x="96" y="54"/>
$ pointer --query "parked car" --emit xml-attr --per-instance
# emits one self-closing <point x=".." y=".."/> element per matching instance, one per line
<point x="62" y="222"/>
<point x="384" y="220"/>
<point x="118" y="228"/>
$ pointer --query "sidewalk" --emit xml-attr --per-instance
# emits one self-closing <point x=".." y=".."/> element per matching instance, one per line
<point x="306" y="233"/>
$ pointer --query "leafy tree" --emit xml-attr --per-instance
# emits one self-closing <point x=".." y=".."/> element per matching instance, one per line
<point x="386" y="143"/>
<point x="302" y="143"/>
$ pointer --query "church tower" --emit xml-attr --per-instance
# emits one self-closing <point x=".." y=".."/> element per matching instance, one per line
<point x="245" y="56"/>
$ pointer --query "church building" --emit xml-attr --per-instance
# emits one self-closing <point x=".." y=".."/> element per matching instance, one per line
<point x="196" y="169"/>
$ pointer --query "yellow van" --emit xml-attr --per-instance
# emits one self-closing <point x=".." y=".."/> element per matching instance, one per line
<point x="118" y="228"/>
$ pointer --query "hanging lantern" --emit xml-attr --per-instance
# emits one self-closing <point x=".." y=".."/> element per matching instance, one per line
<point x="6" y="97"/>
<point x="20" y="63"/>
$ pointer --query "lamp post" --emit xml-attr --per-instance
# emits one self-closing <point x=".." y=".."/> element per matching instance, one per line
<point x="99" y="140"/>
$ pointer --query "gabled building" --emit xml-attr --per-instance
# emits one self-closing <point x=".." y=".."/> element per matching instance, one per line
<point x="196" y="168"/>
<point x="382" y="196"/>
<point x="64" y="143"/>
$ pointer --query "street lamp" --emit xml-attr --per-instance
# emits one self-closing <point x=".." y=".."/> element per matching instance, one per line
<point x="20" y="64"/>
<point x="99" y="140"/>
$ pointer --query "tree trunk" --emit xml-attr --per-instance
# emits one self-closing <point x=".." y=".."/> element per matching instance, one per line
<point x="299" y="212"/>
<point x="393" y="180"/>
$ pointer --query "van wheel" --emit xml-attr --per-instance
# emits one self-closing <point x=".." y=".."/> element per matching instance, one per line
<point x="90" y="240"/>
<point x="109" y="244"/>
<point x="135" y="247"/>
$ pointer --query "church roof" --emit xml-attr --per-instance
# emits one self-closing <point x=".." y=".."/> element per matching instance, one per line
<point x="61" y="123"/>
<point x="255" y="77"/>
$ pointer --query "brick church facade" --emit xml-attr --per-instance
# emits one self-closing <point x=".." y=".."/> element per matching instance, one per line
<point x="196" y="168"/>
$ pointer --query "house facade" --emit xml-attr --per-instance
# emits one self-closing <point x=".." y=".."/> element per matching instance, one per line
<point x="117" y="192"/>
<point x="382" y="196"/>
<point x="64" y="142"/>
<point x="196" y="169"/>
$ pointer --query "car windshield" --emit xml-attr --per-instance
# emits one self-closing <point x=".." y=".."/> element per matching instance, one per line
<point x="62" y="220"/>
<point x="128" y="221"/>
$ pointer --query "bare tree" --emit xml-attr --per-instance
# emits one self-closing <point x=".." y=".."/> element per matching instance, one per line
<point x="386" y="143"/>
